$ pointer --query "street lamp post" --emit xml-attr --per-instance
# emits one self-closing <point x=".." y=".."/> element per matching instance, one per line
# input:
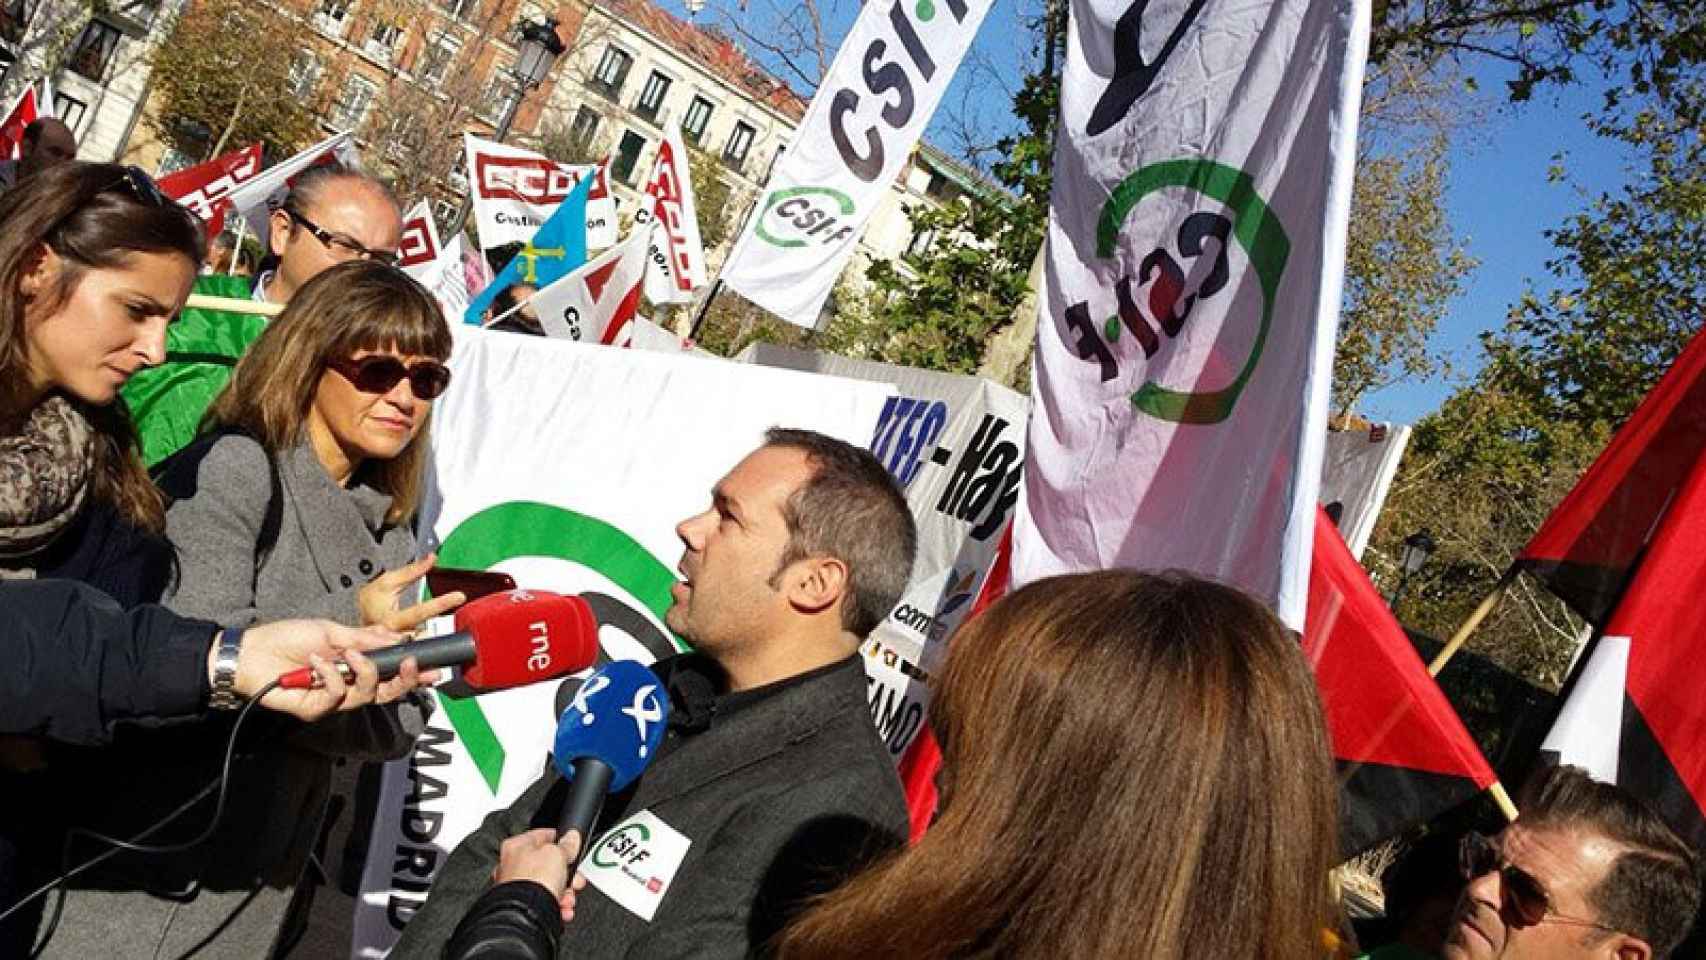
<point x="1418" y="547"/>
<point x="539" y="47"/>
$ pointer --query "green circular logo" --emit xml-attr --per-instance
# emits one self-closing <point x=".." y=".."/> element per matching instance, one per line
<point x="792" y="211"/>
<point x="638" y="829"/>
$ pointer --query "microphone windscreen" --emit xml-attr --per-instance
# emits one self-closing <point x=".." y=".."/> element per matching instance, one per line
<point x="618" y="716"/>
<point x="524" y="636"/>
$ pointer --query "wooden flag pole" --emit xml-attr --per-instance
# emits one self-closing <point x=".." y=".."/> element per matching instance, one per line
<point x="1503" y="799"/>
<point x="202" y="301"/>
<point x="1469" y="625"/>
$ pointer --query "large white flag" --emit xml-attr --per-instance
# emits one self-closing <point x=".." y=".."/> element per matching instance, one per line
<point x="887" y="78"/>
<point x="675" y="259"/>
<point x="1202" y="185"/>
<point x="567" y="467"/>
<point x="595" y="302"/>
<point x="255" y="199"/>
<point x="515" y="191"/>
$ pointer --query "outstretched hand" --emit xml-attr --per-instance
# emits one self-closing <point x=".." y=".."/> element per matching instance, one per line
<point x="272" y="649"/>
<point x="381" y="599"/>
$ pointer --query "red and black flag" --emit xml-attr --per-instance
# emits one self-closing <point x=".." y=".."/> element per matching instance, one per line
<point x="1403" y="754"/>
<point x="1636" y="713"/>
<point x="1589" y="546"/>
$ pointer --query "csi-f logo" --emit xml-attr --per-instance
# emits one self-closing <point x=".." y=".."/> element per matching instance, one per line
<point x="523" y="178"/>
<point x="624" y="847"/>
<point x="1188" y="278"/>
<point x="799" y="216"/>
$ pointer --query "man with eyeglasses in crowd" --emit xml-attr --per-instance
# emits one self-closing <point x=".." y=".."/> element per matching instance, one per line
<point x="1588" y="872"/>
<point x="332" y="214"/>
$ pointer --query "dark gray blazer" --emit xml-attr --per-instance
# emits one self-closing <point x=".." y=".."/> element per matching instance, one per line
<point x="781" y="800"/>
<point x="228" y="898"/>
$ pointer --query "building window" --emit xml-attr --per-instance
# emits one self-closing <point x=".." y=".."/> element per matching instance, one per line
<point x="651" y="97"/>
<point x="612" y="70"/>
<point x="498" y="92"/>
<point x="740" y="141"/>
<point x="465" y="9"/>
<point x="697" y="119"/>
<point x="353" y="102"/>
<point x="304" y="76"/>
<point x="920" y="244"/>
<point x="628" y="156"/>
<point x="584" y="125"/>
<point x="382" y="43"/>
<point x="69" y="109"/>
<point x="93" y="51"/>
<point x="14" y="19"/>
<point x="439" y="55"/>
<point x="332" y="16"/>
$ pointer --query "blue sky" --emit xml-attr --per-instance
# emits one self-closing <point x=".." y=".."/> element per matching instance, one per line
<point x="1500" y="200"/>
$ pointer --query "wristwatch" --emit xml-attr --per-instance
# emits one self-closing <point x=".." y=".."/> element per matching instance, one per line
<point x="225" y="670"/>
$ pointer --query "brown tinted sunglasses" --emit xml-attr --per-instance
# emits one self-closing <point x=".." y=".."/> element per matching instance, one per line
<point x="378" y="373"/>
<point x="1479" y="855"/>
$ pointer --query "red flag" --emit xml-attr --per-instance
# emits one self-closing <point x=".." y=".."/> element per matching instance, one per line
<point x="204" y="187"/>
<point x="24" y="112"/>
<point x="1403" y="753"/>
<point x="1635" y="716"/>
<point x="1587" y="548"/>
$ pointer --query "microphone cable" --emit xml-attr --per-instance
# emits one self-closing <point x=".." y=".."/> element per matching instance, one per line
<point x="135" y="844"/>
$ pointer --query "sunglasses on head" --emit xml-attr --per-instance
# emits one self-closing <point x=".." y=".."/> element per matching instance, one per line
<point x="141" y="186"/>
<point x="379" y="372"/>
<point x="1525" y="896"/>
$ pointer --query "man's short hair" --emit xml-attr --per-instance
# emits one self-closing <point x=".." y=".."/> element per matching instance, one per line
<point x="1652" y="889"/>
<point x="850" y="509"/>
<point x="305" y="192"/>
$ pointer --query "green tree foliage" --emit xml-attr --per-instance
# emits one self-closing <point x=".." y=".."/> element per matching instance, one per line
<point x="1567" y="369"/>
<point x="711" y="195"/>
<point x="1402" y="269"/>
<point x="221" y="79"/>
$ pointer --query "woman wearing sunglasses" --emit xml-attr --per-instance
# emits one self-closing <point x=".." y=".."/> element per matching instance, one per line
<point x="297" y="502"/>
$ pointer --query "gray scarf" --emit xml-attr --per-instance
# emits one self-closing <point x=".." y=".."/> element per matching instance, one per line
<point x="45" y="469"/>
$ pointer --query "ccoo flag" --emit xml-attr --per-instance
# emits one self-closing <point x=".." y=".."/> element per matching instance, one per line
<point x="204" y="187"/>
<point x="1194" y="263"/>
<point x="869" y="112"/>
<point x="558" y="247"/>
<point x="23" y="113"/>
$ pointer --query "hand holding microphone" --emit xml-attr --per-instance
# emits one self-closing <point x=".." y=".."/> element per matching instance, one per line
<point x="342" y="684"/>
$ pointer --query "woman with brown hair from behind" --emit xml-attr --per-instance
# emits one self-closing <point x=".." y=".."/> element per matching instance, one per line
<point x="1133" y="766"/>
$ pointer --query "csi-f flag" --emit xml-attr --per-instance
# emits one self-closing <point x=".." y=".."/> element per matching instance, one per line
<point x="1589" y="544"/>
<point x="1403" y="754"/>
<point x="1635" y="716"/>
<point x="873" y="104"/>
<point x="1193" y="271"/>
<point x="558" y="247"/>
<point x="675" y="258"/>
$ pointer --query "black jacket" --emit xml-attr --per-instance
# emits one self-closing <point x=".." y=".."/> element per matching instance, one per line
<point x="77" y="663"/>
<point x="780" y="795"/>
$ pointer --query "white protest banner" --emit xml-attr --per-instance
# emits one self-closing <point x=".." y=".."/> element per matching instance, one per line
<point x="956" y="446"/>
<point x="595" y="302"/>
<point x="1356" y="475"/>
<point x="1202" y="184"/>
<point x="419" y="250"/>
<point x="675" y="260"/>
<point x="566" y="466"/>
<point x="872" y="106"/>
<point x="515" y="191"/>
<point x="255" y="199"/>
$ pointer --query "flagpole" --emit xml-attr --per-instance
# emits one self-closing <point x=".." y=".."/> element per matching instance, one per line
<point x="202" y="301"/>
<point x="704" y="309"/>
<point x="1486" y="607"/>
<point x="1503" y="799"/>
<point x="237" y="248"/>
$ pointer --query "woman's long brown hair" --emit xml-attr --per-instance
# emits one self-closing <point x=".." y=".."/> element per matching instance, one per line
<point x="1134" y="766"/>
<point x="88" y="215"/>
<point x="360" y="305"/>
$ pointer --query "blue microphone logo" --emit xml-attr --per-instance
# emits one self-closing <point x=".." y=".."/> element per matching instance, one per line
<point x="618" y="715"/>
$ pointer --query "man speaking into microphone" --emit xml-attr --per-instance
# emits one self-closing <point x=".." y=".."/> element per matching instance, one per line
<point x="771" y="784"/>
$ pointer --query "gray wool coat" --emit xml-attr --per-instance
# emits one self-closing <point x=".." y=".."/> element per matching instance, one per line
<point x="779" y="801"/>
<point x="229" y="897"/>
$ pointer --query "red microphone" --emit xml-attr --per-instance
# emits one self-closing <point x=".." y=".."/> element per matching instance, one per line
<point x="506" y="640"/>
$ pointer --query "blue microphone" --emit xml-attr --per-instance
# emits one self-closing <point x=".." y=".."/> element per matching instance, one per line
<point x="606" y="737"/>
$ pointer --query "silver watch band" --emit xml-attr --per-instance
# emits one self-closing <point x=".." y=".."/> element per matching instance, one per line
<point x="225" y="670"/>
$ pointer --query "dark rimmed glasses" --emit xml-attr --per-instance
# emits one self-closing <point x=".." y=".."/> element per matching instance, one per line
<point x="345" y="248"/>
<point x="141" y="186"/>
<point x="1479" y="855"/>
<point x="379" y="372"/>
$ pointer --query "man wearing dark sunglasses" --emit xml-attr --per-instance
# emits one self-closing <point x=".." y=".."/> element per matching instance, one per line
<point x="1588" y="872"/>
<point x="333" y="214"/>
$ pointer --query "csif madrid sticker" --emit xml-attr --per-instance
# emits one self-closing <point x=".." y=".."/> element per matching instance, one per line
<point x="1187" y="265"/>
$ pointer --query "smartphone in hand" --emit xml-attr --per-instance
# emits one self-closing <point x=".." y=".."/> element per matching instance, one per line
<point x="474" y="584"/>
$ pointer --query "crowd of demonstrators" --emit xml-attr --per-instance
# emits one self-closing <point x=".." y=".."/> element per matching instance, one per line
<point x="771" y="768"/>
<point x="47" y="142"/>
<point x="226" y="255"/>
<point x="296" y="503"/>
